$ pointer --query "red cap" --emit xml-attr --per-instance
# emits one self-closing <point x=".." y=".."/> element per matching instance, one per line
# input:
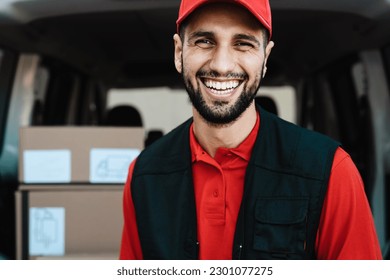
<point x="259" y="8"/>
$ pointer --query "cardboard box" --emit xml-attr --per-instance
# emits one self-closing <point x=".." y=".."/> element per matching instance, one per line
<point x="77" y="154"/>
<point x="69" y="222"/>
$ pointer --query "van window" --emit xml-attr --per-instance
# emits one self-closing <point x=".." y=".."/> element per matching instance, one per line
<point x="160" y="108"/>
<point x="7" y="66"/>
<point x="284" y="99"/>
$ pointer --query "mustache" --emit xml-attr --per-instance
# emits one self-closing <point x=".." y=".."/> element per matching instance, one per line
<point x="215" y="74"/>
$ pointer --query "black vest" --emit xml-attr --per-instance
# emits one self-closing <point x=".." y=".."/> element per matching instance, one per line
<point x="285" y="184"/>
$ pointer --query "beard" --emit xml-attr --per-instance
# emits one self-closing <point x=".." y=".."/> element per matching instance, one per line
<point x="221" y="113"/>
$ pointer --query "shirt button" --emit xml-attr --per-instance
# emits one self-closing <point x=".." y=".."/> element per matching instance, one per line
<point x="215" y="193"/>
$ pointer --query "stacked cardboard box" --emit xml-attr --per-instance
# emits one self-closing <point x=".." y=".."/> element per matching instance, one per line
<point x="69" y="202"/>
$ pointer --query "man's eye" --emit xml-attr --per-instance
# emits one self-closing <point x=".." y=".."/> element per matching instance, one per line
<point x="244" y="46"/>
<point x="204" y="43"/>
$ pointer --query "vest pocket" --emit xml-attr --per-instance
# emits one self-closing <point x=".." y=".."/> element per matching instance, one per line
<point x="280" y="227"/>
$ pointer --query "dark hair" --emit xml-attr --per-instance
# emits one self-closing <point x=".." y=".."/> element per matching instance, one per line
<point x="182" y="28"/>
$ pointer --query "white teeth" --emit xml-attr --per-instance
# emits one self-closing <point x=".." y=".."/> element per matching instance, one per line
<point x="221" y="85"/>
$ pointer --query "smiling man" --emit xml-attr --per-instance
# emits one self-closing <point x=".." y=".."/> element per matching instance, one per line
<point x="234" y="181"/>
<point x="222" y="59"/>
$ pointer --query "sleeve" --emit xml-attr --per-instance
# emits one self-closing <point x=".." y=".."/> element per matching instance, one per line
<point x="130" y="245"/>
<point x="346" y="230"/>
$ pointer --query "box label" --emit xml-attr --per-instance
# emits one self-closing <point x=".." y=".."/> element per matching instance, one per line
<point x="47" y="166"/>
<point x="110" y="165"/>
<point x="47" y="231"/>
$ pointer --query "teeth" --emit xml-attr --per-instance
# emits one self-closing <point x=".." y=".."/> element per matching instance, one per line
<point x="221" y="85"/>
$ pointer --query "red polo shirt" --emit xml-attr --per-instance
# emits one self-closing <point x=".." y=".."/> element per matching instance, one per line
<point x="346" y="218"/>
<point x="219" y="187"/>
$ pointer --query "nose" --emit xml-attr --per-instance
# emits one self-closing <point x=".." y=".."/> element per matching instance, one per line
<point x="222" y="60"/>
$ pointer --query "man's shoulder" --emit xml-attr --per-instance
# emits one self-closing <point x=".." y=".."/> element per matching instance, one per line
<point x="169" y="153"/>
<point x="294" y="149"/>
<point x="167" y="143"/>
<point x="292" y="132"/>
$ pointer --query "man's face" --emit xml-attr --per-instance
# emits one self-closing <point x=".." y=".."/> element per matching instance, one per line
<point x="221" y="57"/>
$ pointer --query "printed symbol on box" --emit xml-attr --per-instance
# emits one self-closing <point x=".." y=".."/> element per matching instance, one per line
<point x="110" y="165"/>
<point x="113" y="166"/>
<point x="45" y="227"/>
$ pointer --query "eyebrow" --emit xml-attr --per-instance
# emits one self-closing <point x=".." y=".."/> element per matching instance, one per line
<point x="198" y="34"/>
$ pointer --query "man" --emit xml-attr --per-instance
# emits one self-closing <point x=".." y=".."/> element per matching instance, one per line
<point x="236" y="182"/>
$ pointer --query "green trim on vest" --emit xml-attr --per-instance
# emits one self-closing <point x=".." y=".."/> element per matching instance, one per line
<point x="285" y="185"/>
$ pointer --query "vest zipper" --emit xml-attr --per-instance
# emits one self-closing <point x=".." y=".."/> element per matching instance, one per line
<point x="239" y="251"/>
<point x="307" y="229"/>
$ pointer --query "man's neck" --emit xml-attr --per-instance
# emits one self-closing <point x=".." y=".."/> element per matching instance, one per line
<point x="228" y="136"/>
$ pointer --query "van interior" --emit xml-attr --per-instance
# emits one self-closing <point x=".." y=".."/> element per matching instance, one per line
<point x="109" y="63"/>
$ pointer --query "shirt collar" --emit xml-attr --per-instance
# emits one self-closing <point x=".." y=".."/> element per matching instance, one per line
<point x="244" y="150"/>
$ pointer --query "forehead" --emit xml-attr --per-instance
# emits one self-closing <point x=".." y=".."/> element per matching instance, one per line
<point x="227" y="15"/>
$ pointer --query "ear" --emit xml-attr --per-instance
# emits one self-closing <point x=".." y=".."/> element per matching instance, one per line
<point x="268" y="50"/>
<point x="178" y="52"/>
